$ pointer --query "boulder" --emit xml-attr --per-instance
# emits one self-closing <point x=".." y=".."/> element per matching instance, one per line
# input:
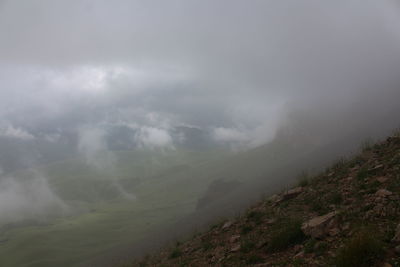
<point x="382" y="179"/>
<point x="234" y="238"/>
<point x="319" y="226"/>
<point x="292" y="193"/>
<point x="235" y="248"/>
<point x="227" y="225"/>
<point x="376" y="169"/>
<point x="383" y="193"/>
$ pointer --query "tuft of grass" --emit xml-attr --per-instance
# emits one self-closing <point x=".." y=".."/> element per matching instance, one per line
<point x="255" y="216"/>
<point x="362" y="174"/>
<point x="319" y="207"/>
<point x="303" y="179"/>
<point x="206" y="245"/>
<point x="246" y="229"/>
<point x="335" y="198"/>
<point x="299" y="262"/>
<point x="247" y="246"/>
<point x="364" y="249"/>
<point x="339" y="164"/>
<point x="367" y="145"/>
<point x="314" y="246"/>
<point x="254" y="259"/>
<point x="176" y="253"/>
<point x="287" y="234"/>
<point x="309" y="245"/>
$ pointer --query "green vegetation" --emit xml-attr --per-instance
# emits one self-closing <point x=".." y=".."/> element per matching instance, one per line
<point x="247" y="246"/>
<point x="303" y="179"/>
<point x="362" y="174"/>
<point x="286" y="234"/>
<point x="335" y="198"/>
<point x="246" y="229"/>
<point x="102" y="218"/>
<point x="255" y="216"/>
<point x="363" y="249"/>
<point x="254" y="259"/>
<point x="319" y="206"/>
<point x="175" y="253"/>
<point x="206" y="245"/>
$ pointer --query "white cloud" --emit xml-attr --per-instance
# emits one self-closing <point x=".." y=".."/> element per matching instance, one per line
<point x="18" y="133"/>
<point x="244" y="138"/>
<point x="93" y="146"/>
<point x="28" y="199"/>
<point x="229" y="135"/>
<point x="151" y="137"/>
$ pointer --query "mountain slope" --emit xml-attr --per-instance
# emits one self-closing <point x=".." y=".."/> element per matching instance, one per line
<point x="348" y="215"/>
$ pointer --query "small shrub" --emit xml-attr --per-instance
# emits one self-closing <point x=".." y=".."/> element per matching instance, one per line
<point x="255" y="216"/>
<point x="254" y="259"/>
<point x="303" y="179"/>
<point x="299" y="262"/>
<point x="367" y="145"/>
<point x="339" y="164"/>
<point x="313" y="246"/>
<point x="309" y="246"/>
<point x="175" y="253"/>
<point x="246" y="229"/>
<point x="319" y="207"/>
<point x="363" y="249"/>
<point x="288" y="234"/>
<point x="206" y="245"/>
<point x="335" y="198"/>
<point x="247" y="246"/>
<point x="362" y="174"/>
<point x="320" y="248"/>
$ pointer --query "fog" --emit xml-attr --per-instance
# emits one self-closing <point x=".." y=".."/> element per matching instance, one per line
<point x="29" y="199"/>
<point x="86" y="79"/>
<point x="234" y="70"/>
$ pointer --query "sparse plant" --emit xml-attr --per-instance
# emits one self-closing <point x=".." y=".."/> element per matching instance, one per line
<point x="367" y="145"/>
<point x="254" y="259"/>
<point x="298" y="262"/>
<point x="335" y="198"/>
<point x="364" y="249"/>
<point x="396" y="132"/>
<point x="339" y="164"/>
<point x="288" y="233"/>
<point x="246" y="229"/>
<point x="309" y="245"/>
<point x="206" y="245"/>
<point x="320" y="248"/>
<point x="303" y="179"/>
<point x="255" y="216"/>
<point x="372" y="187"/>
<point x="362" y="174"/>
<point x="319" y="207"/>
<point x="175" y="253"/>
<point x="247" y="246"/>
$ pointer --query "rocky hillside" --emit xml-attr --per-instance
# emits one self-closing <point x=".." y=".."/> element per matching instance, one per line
<point x="349" y="215"/>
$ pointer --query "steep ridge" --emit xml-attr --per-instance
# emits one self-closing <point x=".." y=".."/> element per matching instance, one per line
<point x="349" y="215"/>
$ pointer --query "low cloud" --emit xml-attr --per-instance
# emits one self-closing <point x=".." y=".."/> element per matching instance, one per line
<point x="153" y="138"/>
<point x="92" y="145"/>
<point x="222" y="134"/>
<point x="18" y="133"/>
<point x="33" y="198"/>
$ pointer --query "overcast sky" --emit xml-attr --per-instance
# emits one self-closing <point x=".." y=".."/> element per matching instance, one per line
<point x="232" y="68"/>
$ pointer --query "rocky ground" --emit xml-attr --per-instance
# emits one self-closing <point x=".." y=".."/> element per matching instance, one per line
<point x="347" y="216"/>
